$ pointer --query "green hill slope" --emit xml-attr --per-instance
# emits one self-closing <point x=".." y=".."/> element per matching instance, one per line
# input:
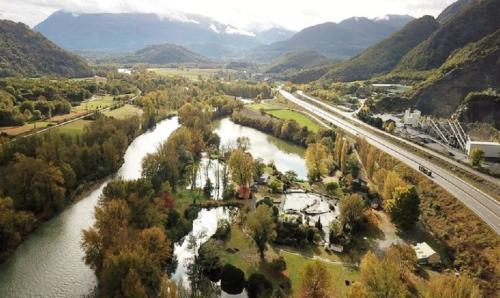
<point x="470" y="25"/>
<point x="384" y="56"/>
<point x="297" y="61"/>
<point x="165" y="54"/>
<point x="474" y="68"/>
<point x="26" y="53"/>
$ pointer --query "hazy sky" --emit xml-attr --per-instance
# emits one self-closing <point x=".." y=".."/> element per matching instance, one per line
<point x="292" y="14"/>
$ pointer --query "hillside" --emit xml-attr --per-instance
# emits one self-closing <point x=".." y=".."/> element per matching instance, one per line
<point x="384" y="56"/>
<point x="334" y="40"/>
<point x="127" y="32"/>
<point x="26" y="53"/>
<point x="164" y="54"/>
<point x="297" y="61"/>
<point x="474" y="68"/>
<point x="454" y="9"/>
<point x="470" y="25"/>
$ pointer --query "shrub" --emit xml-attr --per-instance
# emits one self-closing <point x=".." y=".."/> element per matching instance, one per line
<point x="232" y="279"/>
<point x="278" y="264"/>
<point x="223" y="229"/>
<point x="259" y="286"/>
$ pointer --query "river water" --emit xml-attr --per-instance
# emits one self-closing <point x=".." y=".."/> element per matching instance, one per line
<point x="49" y="263"/>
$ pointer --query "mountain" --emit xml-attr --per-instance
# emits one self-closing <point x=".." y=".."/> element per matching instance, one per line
<point x="297" y="61"/>
<point x="27" y="53"/>
<point x="454" y="9"/>
<point x="335" y="40"/>
<point x="470" y="25"/>
<point x="384" y="56"/>
<point x="133" y="31"/>
<point x="274" y="34"/>
<point x="165" y="54"/>
<point x="474" y="68"/>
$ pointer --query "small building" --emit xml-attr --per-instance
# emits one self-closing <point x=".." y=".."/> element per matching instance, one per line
<point x="412" y="118"/>
<point x="490" y="149"/>
<point x="426" y="255"/>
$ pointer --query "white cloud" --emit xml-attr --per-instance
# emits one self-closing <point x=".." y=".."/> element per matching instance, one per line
<point x="293" y="14"/>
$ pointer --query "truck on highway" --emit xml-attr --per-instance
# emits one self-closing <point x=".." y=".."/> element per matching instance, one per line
<point x="425" y="170"/>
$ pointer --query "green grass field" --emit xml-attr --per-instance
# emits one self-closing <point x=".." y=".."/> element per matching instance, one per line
<point x="190" y="73"/>
<point x="98" y="103"/>
<point x="125" y="112"/>
<point x="281" y="111"/>
<point x="339" y="273"/>
<point x="73" y="128"/>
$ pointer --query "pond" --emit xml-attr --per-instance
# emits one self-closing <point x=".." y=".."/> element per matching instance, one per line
<point x="286" y="156"/>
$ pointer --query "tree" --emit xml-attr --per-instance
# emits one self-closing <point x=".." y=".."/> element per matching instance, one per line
<point x="331" y="188"/>
<point x="316" y="157"/>
<point x="315" y="281"/>
<point x="351" y="211"/>
<point x="241" y="167"/>
<point x="476" y="157"/>
<point x="381" y="278"/>
<point x="404" y="257"/>
<point x="344" y="156"/>
<point x="261" y="227"/>
<point x="243" y="143"/>
<point x="209" y="257"/>
<point x="391" y="182"/>
<point x="13" y="225"/>
<point x="404" y="207"/>
<point x="208" y="188"/>
<point x="449" y="285"/>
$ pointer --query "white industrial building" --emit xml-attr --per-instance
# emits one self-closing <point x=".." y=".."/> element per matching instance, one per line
<point x="490" y="149"/>
<point x="412" y="118"/>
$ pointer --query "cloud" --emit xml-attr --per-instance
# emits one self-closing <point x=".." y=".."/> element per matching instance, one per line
<point x="293" y="14"/>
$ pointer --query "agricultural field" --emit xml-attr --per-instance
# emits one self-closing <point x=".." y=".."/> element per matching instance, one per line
<point x="191" y="73"/>
<point x="127" y="111"/>
<point x="73" y="128"/>
<point x="283" y="112"/>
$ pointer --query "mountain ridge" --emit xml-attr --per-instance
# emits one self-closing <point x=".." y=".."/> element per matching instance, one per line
<point x="27" y="53"/>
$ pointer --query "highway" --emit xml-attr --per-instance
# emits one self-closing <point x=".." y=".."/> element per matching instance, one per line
<point x="484" y="205"/>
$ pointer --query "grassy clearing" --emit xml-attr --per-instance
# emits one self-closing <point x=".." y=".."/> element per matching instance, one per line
<point x="73" y="128"/>
<point x="125" y="112"/>
<point x="97" y="102"/>
<point x="247" y="259"/>
<point x="296" y="263"/>
<point x="281" y="111"/>
<point x="190" y="73"/>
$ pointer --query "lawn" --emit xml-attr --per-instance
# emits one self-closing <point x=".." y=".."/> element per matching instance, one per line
<point x="125" y="112"/>
<point x="247" y="259"/>
<point x="190" y="73"/>
<point x="73" y="128"/>
<point x="295" y="264"/>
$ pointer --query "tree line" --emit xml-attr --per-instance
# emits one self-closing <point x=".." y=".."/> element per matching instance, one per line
<point x="40" y="173"/>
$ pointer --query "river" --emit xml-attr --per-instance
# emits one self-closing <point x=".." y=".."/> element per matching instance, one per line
<point x="49" y="263"/>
